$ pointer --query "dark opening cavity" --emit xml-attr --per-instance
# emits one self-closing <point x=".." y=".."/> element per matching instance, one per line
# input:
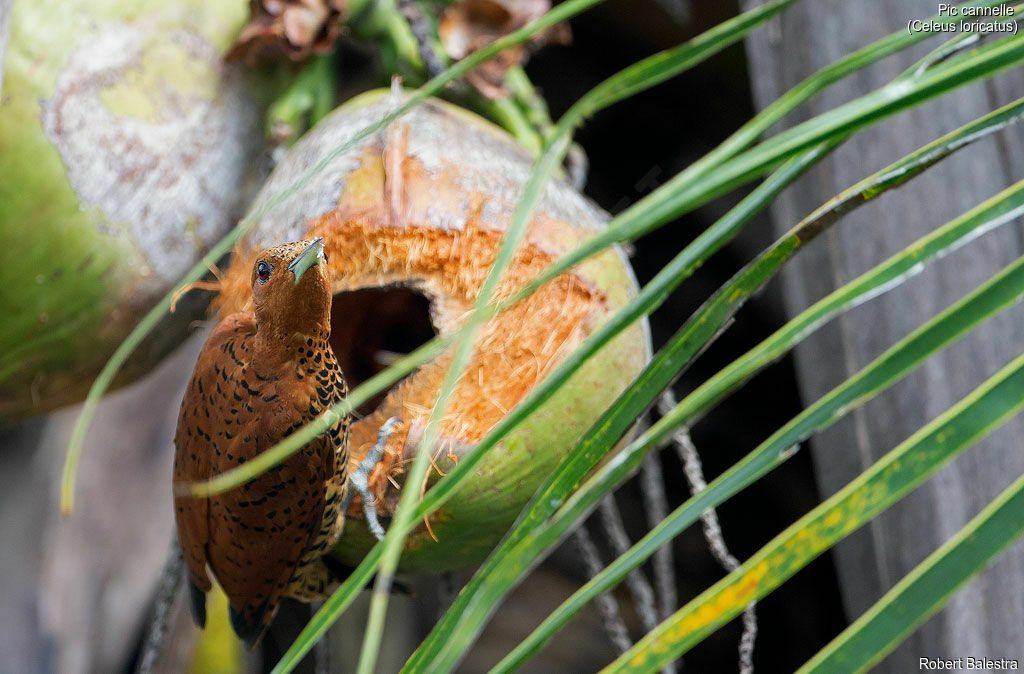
<point x="372" y="327"/>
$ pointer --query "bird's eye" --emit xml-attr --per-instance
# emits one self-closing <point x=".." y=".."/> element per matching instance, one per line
<point x="263" y="272"/>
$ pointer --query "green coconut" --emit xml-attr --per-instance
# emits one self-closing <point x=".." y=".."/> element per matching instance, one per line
<point x="124" y="145"/>
<point x="411" y="220"/>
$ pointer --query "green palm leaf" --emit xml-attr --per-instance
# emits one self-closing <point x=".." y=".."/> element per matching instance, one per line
<point x="926" y="589"/>
<point x="986" y="408"/>
<point x="994" y="296"/>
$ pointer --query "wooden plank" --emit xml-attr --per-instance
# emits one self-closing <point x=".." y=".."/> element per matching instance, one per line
<point x="985" y="618"/>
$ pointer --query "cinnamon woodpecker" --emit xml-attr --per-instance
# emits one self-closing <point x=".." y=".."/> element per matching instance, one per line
<point x="262" y="375"/>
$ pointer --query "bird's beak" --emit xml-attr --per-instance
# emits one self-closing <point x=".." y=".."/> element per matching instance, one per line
<point x="312" y="254"/>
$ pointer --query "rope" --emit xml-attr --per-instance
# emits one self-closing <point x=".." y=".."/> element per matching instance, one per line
<point x="712" y="528"/>
<point x="606" y="604"/>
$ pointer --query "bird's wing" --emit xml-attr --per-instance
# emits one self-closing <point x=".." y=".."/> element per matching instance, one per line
<point x="192" y="459"/>
<point x="261" y="530"/>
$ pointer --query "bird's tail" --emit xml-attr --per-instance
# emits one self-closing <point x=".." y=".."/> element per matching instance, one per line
<point x="250" y="624"/>
<point x="197" y="604"/>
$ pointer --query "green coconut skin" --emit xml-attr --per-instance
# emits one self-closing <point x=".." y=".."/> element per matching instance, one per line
<point x="471" y="523"/>
<point x="77" y="277"/>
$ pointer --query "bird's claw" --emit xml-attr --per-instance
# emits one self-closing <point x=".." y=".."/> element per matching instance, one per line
<point x="359" y="480"/>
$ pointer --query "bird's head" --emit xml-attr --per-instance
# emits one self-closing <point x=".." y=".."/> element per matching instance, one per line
<point x="290" y="290"/>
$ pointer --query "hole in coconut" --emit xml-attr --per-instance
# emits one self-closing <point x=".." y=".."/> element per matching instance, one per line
<point x="371" y="327"/>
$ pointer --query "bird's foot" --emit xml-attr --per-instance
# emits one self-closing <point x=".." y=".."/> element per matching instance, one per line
<point x="359" y="480"/>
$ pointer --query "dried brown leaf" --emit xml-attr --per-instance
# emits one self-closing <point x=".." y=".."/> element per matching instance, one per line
<point x="469" y="25"/>
<point x="293" y="29"/>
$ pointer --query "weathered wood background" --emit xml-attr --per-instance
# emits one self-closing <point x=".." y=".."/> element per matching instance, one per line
<point x="986" y="618"/>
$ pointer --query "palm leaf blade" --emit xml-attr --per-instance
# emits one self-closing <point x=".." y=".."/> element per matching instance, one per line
<point x="982" y="411"/>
